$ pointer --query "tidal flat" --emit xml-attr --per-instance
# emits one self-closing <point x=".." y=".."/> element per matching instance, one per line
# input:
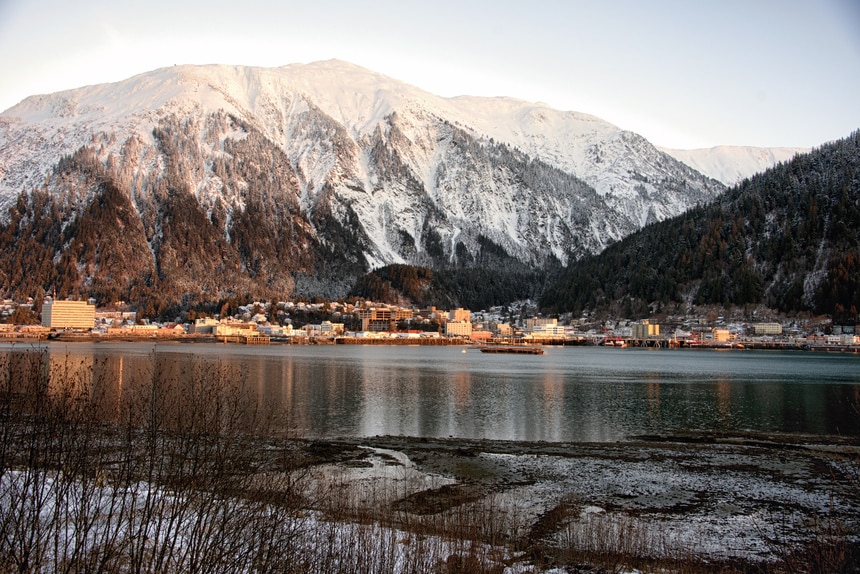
<point x="754" y="501"/>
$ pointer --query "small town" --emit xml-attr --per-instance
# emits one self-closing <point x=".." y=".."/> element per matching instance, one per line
<point x="368" y="323"/>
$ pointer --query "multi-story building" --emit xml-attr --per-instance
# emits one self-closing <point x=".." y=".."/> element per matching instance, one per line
<point x="458" y="328"/>
<point x="767" y="329"/>
<point x="503" y="329"/>
<point x="536" y="322"/>
<point x="374" y="319"/>
<point x="460" y="315"/>
<point x="548" y="331"/>
<point x="382" y="319"/>
<point x="68" y="315"/>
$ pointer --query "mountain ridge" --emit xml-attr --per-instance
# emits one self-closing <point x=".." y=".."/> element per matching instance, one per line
<point x="337" y="168"/>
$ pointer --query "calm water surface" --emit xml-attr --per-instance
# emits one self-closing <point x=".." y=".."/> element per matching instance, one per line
<point x="568" y="394"/>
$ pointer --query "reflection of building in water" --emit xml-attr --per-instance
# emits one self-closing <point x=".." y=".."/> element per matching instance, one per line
<point x="652" y="393"/>
<point x="462" y="390"/>
<point x="107" y="394"/>
<point x="71" y="376"/>
<point x="552" y="419"/>
<point x="724" y="397"/>
<point x="278" y="389"/>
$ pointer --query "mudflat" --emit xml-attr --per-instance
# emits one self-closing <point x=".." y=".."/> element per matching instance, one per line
<point x="725" y="497"/>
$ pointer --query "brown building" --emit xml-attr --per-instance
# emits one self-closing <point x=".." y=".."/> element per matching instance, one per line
<point x="386" y="319"/>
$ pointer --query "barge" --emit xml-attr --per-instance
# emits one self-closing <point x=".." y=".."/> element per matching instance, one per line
<point x="514" y="349"/>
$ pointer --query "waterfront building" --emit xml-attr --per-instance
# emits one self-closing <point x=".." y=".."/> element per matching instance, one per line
<point x="329" y="329"/>
<point x="203" y="326"/>
<point x="535" y="323"/>
<point x="767" y="329"/>
<point x="721" y="335"/>
<point x="503" y="329"/>
<point x="382" y="319"/>
<point x="481" y="336"/>
<point x="645" y="329"/>
<point x="68" y="315"/>
<point x="235" y="329"/>
<point x="548" y="331"/>
<point x="458" y="329"/>
<point x="376" y="320"/>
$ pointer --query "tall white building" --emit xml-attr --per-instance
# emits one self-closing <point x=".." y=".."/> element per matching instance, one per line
<point x="460" y="315"/>
<point x="68" y="315"/>
<point x="458" y="328"/>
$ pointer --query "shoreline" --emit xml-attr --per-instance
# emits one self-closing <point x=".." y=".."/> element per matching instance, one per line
<point x="749" y="498"/>
<point x="656" y="344"/>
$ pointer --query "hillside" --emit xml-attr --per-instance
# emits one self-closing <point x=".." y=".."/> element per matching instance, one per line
<point x="788" y="238"/>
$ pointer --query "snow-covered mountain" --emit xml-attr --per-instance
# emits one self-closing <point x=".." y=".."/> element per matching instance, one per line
<point x="733" y="164"/>
<point x="329" y="162"/>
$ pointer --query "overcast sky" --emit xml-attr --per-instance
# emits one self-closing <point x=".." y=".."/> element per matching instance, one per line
<point x="682" y="73"/>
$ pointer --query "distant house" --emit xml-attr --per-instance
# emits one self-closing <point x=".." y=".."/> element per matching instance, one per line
<point x="329" y="329"/>
<point x="68" y="315"/>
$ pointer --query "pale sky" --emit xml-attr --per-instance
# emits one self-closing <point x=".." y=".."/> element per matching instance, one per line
<point x="684" y="73"/>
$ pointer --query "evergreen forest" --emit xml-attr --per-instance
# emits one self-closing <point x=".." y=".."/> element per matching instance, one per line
<point x="786" y="238"/>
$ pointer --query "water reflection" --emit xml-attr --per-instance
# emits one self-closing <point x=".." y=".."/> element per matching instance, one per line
<point x="583" y="394"/>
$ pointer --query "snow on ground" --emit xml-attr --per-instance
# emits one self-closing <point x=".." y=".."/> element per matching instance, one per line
<point x="750" y="502"/>
<point x="384" y="476"/>
<point x="714" y="501"/>
<point x="679" y="508"/>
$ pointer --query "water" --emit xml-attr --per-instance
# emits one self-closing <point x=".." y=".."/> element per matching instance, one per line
<point x="567" y="394"/>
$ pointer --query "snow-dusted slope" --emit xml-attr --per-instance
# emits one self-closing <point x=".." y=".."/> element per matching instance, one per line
<point x="422" y="177"/>
<point x="733" y="164"/>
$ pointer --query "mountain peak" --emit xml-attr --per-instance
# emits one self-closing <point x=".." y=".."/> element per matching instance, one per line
<point x="329" y="161"/>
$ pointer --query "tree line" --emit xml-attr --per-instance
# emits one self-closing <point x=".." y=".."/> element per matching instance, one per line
<point x="787" y="238"/>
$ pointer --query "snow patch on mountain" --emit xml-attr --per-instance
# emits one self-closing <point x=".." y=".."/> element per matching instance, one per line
<point x="732" y="164"/>
<point x="402" y="160"/>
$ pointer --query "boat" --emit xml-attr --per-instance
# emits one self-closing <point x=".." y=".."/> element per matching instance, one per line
<point x="514" y="349"/>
